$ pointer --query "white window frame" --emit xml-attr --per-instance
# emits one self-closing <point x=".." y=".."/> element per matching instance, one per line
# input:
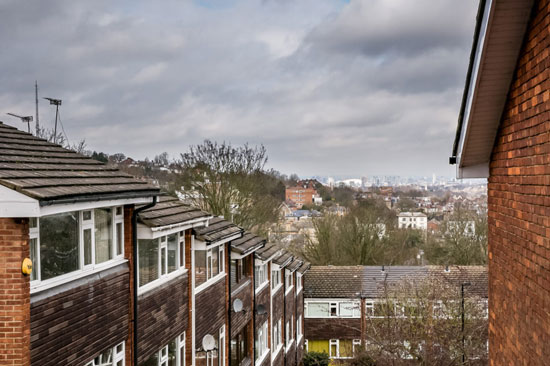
<point x="299" y="332"/>
<point x="221" y="346"/>
<point x="276" y="282"/>
<point x="288" y="278"/>
<point x="162" y="243"/>
<point x="180" y="344"/>
<point x="261" y="270"/>
<point x="221" y="267"/>
<point x="277" y="336"/>
<point x="299" y="284"/>
<point x="334" y="305"/>
<point x="336" y="343"/>
<point x="181" y="249"/>
<point x="117" y="356"/>
<point x="34" y="233"/>
<point x="263" y="341"/>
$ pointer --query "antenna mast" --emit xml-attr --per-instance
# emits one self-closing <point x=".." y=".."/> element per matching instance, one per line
<point x="57" y="103"/>
<point x="36" y="100"/>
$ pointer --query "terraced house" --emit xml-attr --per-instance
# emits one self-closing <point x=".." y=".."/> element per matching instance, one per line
<point x="347" y="307"/>
<point x="99" y="268"/>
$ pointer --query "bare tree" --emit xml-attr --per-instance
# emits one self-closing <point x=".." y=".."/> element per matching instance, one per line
<point x="418" y="321"/>
<point x="230" y="181"/>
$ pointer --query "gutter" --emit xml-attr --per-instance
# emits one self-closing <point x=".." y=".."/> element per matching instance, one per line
<point x="99" y="197"/>
<point x="479" y="21"/>
<point x="135" y="274"/>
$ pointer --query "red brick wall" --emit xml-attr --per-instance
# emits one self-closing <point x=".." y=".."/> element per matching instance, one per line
<point x="519" y="209"/>
<point x="14" y="294"/>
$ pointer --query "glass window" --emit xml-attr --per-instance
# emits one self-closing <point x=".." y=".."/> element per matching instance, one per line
<point x="318" y="309"/>
<point x="215" y="262"/>
<point x="173" y="354"/>
<point x="172" y="245"/>
<point x="347" y="309"/>
<point x="182" y="249"/>
<point x="333" y="348"/>
<point x="119" y="238"/>
<point x="261" y="341"/>
<point x="345" y="348"/>
<point x="200" y="267"/>
<point x="239" y="347"/>
<point x="333" y="309"/>
<point x="59" y="244"/>
<point x="34" y="247"/>
<point x="103" y="223"/>
<point x="148" y="260"/>
<point x="275" y="278"/>
<point x="260" y="273"/>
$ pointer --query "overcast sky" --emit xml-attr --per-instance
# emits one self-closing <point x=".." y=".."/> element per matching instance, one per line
<point x="330" y="87"/>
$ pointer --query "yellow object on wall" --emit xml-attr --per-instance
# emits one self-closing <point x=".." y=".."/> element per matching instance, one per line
<point x="26" y="266"/>
<point x="314" y="345"/>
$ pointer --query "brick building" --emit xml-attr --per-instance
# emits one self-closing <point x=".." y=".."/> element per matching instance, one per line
<point x="301" y="194"/>
<point x="122" y="275"/>
<point x="503" y="135"/>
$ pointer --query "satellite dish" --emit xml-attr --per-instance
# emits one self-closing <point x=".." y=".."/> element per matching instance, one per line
<point x="208" y="342"/>
<point x="260" y="309"/>
<point x="237" y="305"/>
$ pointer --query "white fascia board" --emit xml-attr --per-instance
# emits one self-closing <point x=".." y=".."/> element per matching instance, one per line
<point x="239" y="256"/>
<point x="14" y="204"/>
<point x="474" y="171"/>
<point x="145" y="232"/>
<point x="79" y="206"/>
<point x="475" y="79"/>
<point x="201" y="221"/>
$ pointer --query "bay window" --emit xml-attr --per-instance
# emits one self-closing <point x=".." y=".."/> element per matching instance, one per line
<point x="208" y="264"/>
<point x="77" y="240"/>
<point x="158" y="258"/>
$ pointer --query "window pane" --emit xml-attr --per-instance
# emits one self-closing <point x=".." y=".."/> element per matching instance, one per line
<point x="162" y="261"/>
<point x="200" y="267"/>
<point x="34" y="251"/>
<point x="59" y="249"/>
<point x="346" y="348"/>
<point x="182" y="253"/>
<point x="119" y="238"/>
<point x="87" y="237"/>
<point x="172" y="353"/>
<point x="318" y="309"/>
<point x="103" y="235"/>
<point x="346" y="309"/>
<point x="215" y="261"/>
<point x="148" y="260"/>
<point x="172" y="252"/>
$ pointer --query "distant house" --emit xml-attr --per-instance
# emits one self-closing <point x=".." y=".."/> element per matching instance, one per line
<point x="502" y="135"/>
<point x="302" y="194"/>
<point x="343" y="303"/>
<point x="412" y="220"/>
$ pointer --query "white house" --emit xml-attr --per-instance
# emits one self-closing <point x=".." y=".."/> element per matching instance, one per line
<point x="412" y="220"/>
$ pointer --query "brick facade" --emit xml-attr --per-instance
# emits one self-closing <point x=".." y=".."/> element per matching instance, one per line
<point x="15" y="293"/>
<point x="519" y="209"/>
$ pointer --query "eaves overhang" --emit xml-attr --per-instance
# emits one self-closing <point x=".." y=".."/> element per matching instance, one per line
<point x="498" y="38"/>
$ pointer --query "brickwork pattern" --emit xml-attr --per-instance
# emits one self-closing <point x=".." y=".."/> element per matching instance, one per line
<point x="519" y="209"/>
<point x="15" y="294"/>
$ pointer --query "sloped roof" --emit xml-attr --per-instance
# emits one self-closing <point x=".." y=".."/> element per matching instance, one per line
<point x="295" y="264"/>
<point x="304" y="267"/>
<point x="377" y="278"/>
<point x="333" y="282"/>
<point x="247" y="243"/>
<point x="52" y="174"/>
<point x="283" y="259"/>
<point x="267" y="251"/>
<point x="170" y="211"/>
<point x="476" y="276"/>
<point x="217" y="229"/>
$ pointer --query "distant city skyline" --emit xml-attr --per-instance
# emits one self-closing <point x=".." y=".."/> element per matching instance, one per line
<point x="330" y="87"/>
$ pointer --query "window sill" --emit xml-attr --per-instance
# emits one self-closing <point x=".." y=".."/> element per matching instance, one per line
<point x="209" y="283"/>
<point x="287" y="348"/>
<point x="276" y="352"/>
<point x="262" y="286"/>
<point x="261" y="359"/>
<point x="289" y="289"/>
<point x="73" y="276"/>
<point x="276" y="289"/>
<point x="160" y="281"/>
